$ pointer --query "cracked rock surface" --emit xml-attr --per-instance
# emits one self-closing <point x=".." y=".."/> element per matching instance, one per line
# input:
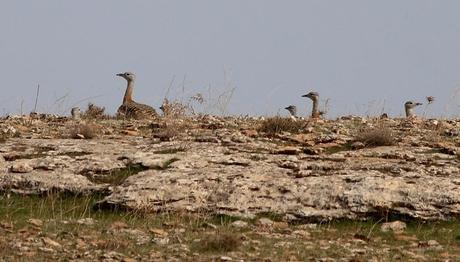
<point x="228" y="166"/>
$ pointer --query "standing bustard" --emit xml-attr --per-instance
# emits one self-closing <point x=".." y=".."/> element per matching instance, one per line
<point x="314" y="96"/>
<point x="131" y="109"/>
<point x="409" y="107"/>
<point x="75" y="112"/>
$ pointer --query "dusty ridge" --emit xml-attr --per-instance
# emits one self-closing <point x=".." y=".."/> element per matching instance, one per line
<point x="224" y="165"/>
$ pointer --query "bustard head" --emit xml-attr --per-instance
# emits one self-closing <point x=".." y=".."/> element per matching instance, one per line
<point x="312" y="95"/>
<point x="411" y="104"/>
<point x="292" y="110"/>
<point x="128" y="76"/>
<point x="75" y="112"/>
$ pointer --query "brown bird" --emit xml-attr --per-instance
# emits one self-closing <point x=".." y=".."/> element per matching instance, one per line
<point x="131" y="109"/>
<point x="430" y="99"/>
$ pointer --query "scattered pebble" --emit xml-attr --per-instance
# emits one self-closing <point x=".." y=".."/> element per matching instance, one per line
<point x="21" y="167"/>
<point x="35" y="222"/>
<point x="239" y="224"/>
<point x="265" y="222"/>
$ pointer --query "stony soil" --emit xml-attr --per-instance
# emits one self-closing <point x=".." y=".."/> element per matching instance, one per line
<point x="319" y="172"/>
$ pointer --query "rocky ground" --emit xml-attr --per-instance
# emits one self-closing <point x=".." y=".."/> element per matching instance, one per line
<point x="299" y="172"/>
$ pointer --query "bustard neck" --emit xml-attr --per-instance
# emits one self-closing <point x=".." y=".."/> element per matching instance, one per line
<point x="314" y="111"/>
<point x="409" y="112"/>
<point x="129" y="92"/>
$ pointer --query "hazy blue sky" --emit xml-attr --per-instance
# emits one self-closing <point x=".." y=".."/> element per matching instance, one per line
<point x="362" y="55"/>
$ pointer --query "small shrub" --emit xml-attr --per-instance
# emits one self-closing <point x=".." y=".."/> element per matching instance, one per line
<point x="85" y="131"/>
<point x="170" y="130"/>
<point x="167" y="134"/>
<point x="198" y="97"/>
<point x="173" y="109"/>
<point x="376" y="137"/>
<point x="220" y="242"/>
<point x="274" y="125"/>
<point x="94" y="112"/>
<point x="8" y="132"/>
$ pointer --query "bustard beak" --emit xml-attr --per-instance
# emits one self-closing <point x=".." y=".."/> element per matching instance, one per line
<point x="120" y="74"/>
<point x="305" y="95"/>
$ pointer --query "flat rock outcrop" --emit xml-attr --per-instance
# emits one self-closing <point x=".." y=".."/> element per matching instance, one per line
<point x="299" y="187"/>
<point x="228" y="166"/>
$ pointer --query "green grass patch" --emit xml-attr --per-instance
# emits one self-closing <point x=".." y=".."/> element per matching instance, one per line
<point x="218" y="242"/>
<point x="223" y="220"/>
<point x="189" y="238"/>
<point x="270" y="215"/>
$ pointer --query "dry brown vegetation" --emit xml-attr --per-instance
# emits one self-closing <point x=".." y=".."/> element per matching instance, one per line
<point x="170" y="130"/>
<point x="379" y="136"/>
<point x="220" y="242"/>
<point x="167" y="134"/>
<point x="174" y="109"/>
<point x="95" y="112"/>
<point x="9" y="133"/>
<point x="277" y="124"/>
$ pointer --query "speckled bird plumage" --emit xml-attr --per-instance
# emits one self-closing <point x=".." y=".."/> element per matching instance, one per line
<point x="136" y="111"/>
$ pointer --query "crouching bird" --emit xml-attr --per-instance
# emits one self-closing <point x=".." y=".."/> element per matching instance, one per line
<point x="131" y="109"/>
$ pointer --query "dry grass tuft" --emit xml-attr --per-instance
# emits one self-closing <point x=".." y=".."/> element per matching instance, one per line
<point x="373" y="137"/>
<point x="220" y="242"/>
<point x="275" y="125"/>
<point x="94" y="112"/>
<point x="174" y="109"/>
<point x="167" y="133"/>
<point x="7" y="133"/>
<point x="85" y="131"/>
